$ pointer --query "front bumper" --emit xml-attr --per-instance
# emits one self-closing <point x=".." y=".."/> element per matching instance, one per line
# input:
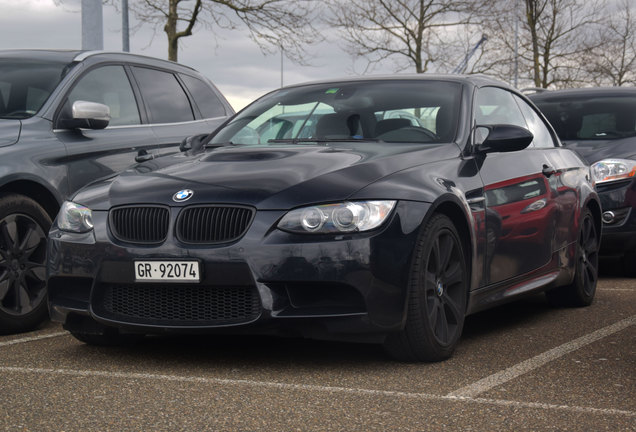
<point x="328" y="286"/>
<point x="619" y="236"/>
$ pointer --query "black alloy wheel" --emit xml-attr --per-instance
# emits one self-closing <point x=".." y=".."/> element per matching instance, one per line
<point x="583" y="287"/>
<point x="437" y="296"/>
<point x="23" y="228"/>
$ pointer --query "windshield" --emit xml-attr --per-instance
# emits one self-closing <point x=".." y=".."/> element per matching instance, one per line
<point x="390" y="111"/>
<point x="26" y="84"/>
<point x="591" y="118"/>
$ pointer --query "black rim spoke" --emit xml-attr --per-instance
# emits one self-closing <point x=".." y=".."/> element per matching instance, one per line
<point x="433" y="311"/>
<point x="437" y="265"/>
<point x="453" y="274"/>
<point x="32" y="239"/>
<point x="5" y="284"/>
<point x="446" y="249"/>
<point x="429" y="281"/>
<point x="9" y="232"/>
<point x="36" y="272"/>
<point x="23" y="300"/>
<point x="452" y="307"/>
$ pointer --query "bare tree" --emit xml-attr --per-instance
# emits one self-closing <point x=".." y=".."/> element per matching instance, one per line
<point x="553" y="39"/>
<point x="614" y="63"/>
<point x="414" y="33"/>
<point x="272" y="24"/>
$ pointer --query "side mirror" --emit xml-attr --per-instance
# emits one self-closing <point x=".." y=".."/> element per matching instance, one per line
<point x="504" y="138"/>
<point x="88" y="115"/>
<point x="193" y="143"/>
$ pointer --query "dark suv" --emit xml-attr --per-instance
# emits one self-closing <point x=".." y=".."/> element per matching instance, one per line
<point x="600" y="124"/>
<point x="68" y="118"/>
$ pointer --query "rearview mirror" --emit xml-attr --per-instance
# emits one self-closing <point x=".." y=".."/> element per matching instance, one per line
<point x="503" y="138"/>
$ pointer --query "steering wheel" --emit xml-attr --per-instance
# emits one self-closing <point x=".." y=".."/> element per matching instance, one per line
<point x="409" y="134"/>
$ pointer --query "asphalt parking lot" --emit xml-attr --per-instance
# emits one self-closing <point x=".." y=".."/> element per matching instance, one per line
<point x="525" y="366"/>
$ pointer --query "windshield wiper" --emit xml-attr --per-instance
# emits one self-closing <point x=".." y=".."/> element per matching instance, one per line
<point x="217" y="145"/>
<point x="318" y="140"/>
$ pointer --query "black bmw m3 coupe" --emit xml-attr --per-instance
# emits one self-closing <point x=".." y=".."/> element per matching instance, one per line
<point x="378" y="209"/>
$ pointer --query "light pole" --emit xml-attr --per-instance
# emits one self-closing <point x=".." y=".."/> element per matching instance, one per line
<point x="92" y="25"/>
<point x="281" y="65"/>
<point x="125" y="37"/>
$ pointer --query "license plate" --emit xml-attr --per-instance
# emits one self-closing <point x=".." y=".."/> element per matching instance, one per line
<point x="167" y="271"/>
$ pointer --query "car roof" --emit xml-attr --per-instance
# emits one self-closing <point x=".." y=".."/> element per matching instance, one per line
<point x="556" y="95"/>
<point x="477" y="79"/>
<point x="62" y="56"/>
<point x="70" y="56"/>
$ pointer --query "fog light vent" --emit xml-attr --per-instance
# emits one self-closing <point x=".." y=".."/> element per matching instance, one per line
<point x="609" y="217"/>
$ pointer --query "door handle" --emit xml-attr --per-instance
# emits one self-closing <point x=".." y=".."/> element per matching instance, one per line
<point x="143" y="156"/>
<point x="548" y="170"/>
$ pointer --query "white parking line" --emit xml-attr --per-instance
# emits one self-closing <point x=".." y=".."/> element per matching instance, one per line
<point x="32" y="338"/>
<point x="316" y="388"/>
<point x="533" y="363"/>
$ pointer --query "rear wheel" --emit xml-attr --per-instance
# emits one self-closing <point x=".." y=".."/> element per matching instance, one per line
<point x="438" y="289"/>
<point x="583" y="287"/>
<point x="23" y="229"/>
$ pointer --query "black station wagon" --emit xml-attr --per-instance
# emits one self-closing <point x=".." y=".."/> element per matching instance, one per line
<point x="66" y="119"/>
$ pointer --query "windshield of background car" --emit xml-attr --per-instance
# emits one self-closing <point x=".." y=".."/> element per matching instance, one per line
<point x="590" y="117"/>
<point x="26" y="84"/>
<point x="389" y="111"/>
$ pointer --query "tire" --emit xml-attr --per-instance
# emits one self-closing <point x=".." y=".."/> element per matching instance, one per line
<point x="581" y="291"/>
<point x="437" y="295"/>
<point x="24" y="226"/>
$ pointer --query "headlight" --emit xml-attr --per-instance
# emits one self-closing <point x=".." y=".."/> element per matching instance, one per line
<point x="609" y="170"/>
<point x="75" y="218"/>
<point x="355" y="216"/>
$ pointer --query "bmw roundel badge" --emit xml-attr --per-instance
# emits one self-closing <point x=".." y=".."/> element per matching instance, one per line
<point x="183" y="195"/>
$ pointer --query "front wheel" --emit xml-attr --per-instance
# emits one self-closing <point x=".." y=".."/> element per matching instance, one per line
<point x="583" y="287"/>
<point x="437" y="296"/>
<point x="23" y="229"/>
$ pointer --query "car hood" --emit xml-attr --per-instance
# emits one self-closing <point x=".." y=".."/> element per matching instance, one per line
<point x="266" y="178"/>
<point x="9" y="131"/>
<point x="594" y="150"/>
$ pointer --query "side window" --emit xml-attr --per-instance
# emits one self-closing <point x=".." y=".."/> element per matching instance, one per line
<point x="497" y="106"/>
<point x="207" y="101"/>
<point x="108" y="85"/>
<point x="164" y="97"/>
<point x="542" y="135"/>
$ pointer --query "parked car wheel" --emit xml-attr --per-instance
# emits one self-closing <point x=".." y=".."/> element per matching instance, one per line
<point x="23" y="228"/>
<point x="583" y="288"/>
<point x="437" y="296"/>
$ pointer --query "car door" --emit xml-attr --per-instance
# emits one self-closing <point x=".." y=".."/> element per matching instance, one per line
<point x="173" y="111"/>
<point x="564" y="166"/>
<point x="93" y="154"/>
<point x="520" y="201"/>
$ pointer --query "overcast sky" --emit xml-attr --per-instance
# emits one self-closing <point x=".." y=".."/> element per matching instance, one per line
<point x="231" y="60"/>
